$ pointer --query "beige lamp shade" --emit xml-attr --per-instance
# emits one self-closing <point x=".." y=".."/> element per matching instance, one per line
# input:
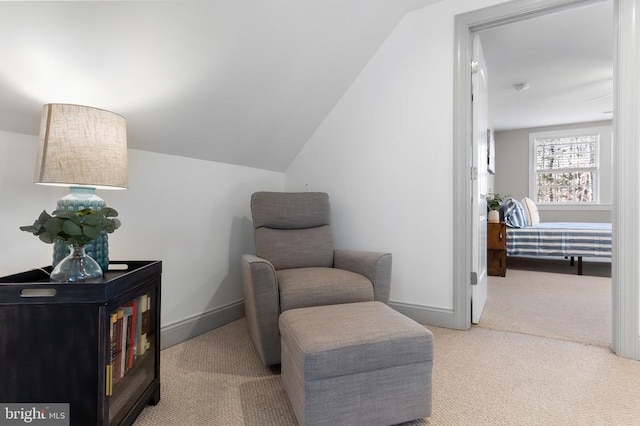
<point x="82" y="146"/>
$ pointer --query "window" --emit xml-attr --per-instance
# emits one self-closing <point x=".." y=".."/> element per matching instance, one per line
<point x="565" y="167"/>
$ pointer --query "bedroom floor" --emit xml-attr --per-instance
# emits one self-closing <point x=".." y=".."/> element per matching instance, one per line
<point x="546" y="298"/>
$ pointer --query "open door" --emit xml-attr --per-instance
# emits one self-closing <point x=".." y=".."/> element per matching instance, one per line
<point x="479" y="184"/>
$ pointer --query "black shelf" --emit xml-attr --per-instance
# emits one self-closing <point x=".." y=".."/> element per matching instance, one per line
<point x="55" y="343"/>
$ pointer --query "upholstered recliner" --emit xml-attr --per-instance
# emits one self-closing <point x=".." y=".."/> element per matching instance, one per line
<point x="296" y="266"/>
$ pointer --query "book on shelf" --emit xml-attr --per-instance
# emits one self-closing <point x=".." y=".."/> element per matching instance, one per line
<point x="113" y="319"/>
<point x="130" y="311"/>
<point x="128" y="333"/>
<point x="149" y="331"/>
<point x="117" y="369"/>
<point x="126" y="320"/>
<point x="143" y="307"/>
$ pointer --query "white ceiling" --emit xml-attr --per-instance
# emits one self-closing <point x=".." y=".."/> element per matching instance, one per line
<point x="565" y="57"/>
<point x="238" y="81"/>
<point x="248" y="81"/>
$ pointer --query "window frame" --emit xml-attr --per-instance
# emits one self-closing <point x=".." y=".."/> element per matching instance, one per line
<point x="533" y="175"/>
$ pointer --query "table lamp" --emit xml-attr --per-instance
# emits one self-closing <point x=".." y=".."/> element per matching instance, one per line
<point x="85" y="149"/>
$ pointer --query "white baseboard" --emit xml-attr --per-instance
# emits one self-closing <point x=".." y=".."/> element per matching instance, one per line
<point x="179" y="331"/>
<point x="426" y="315"/>
<point x="186" y="329"/>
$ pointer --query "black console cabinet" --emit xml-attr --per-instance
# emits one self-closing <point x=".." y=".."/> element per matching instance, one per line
<point x="56" y="344"/>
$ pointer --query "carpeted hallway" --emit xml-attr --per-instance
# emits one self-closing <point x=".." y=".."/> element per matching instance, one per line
<point x="483" y="376"/>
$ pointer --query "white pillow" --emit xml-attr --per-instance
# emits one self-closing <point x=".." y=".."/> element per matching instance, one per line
<point x="532" y="210"/>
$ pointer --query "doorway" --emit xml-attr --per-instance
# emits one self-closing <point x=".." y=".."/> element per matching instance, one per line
<point x="626" y="198"/>
<point x="551" y="73"/>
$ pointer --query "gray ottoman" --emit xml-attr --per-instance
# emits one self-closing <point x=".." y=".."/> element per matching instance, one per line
<point x="355" y="364"/>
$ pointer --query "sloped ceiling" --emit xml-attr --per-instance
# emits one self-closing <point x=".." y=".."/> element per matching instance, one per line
<point x="245" y="82"/>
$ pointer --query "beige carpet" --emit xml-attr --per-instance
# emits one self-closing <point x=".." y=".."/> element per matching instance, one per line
<point x="481" y="377"/>
<point x="538" y="356"/>
<point x="556" y="305"/>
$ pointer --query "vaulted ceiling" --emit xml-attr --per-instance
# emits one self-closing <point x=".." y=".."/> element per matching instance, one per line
<point x="247" y="82"/>
<point x="237" y="81"/>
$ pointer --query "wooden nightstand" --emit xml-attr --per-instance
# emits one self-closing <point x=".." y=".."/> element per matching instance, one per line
<point x="497" y="249"/>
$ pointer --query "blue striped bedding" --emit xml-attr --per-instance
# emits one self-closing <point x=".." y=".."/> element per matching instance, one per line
<point x="560" y="239"/>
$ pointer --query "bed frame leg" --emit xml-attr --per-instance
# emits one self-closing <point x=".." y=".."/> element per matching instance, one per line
<point x="572" y="263"/>
<point x="579" y="265"/>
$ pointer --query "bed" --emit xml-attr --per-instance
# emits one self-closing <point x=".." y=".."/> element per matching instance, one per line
<point x="527" y="236"/>
<point x="568" y="239"/>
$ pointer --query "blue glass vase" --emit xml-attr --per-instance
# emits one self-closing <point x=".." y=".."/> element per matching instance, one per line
<point x="76" y="267"/>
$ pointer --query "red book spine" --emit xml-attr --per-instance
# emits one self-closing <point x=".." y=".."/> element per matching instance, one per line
<point x="131" y="333"/>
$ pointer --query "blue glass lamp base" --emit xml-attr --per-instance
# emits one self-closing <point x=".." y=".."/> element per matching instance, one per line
<point x="80" y="198"/>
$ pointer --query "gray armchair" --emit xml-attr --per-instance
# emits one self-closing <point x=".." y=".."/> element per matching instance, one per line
<point x="296" y="266"/>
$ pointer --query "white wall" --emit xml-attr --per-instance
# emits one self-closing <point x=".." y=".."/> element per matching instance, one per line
<point x="193" y="215"/>
<point x="21" y="201"/>
<point x="384" y="155"/>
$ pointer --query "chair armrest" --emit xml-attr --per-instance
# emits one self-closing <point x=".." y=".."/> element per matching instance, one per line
<point x="374" y="265"/>
<point x="261" y="303"/>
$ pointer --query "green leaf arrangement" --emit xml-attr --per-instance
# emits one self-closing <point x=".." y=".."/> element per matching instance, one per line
<point x="494" y="201"/>
<point x="74" y="227"/>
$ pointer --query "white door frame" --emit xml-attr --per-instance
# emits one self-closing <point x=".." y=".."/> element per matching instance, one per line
<point x="625" y="272"/>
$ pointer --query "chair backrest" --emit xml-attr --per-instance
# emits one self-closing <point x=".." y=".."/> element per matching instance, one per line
<point x="292" y="229"/>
